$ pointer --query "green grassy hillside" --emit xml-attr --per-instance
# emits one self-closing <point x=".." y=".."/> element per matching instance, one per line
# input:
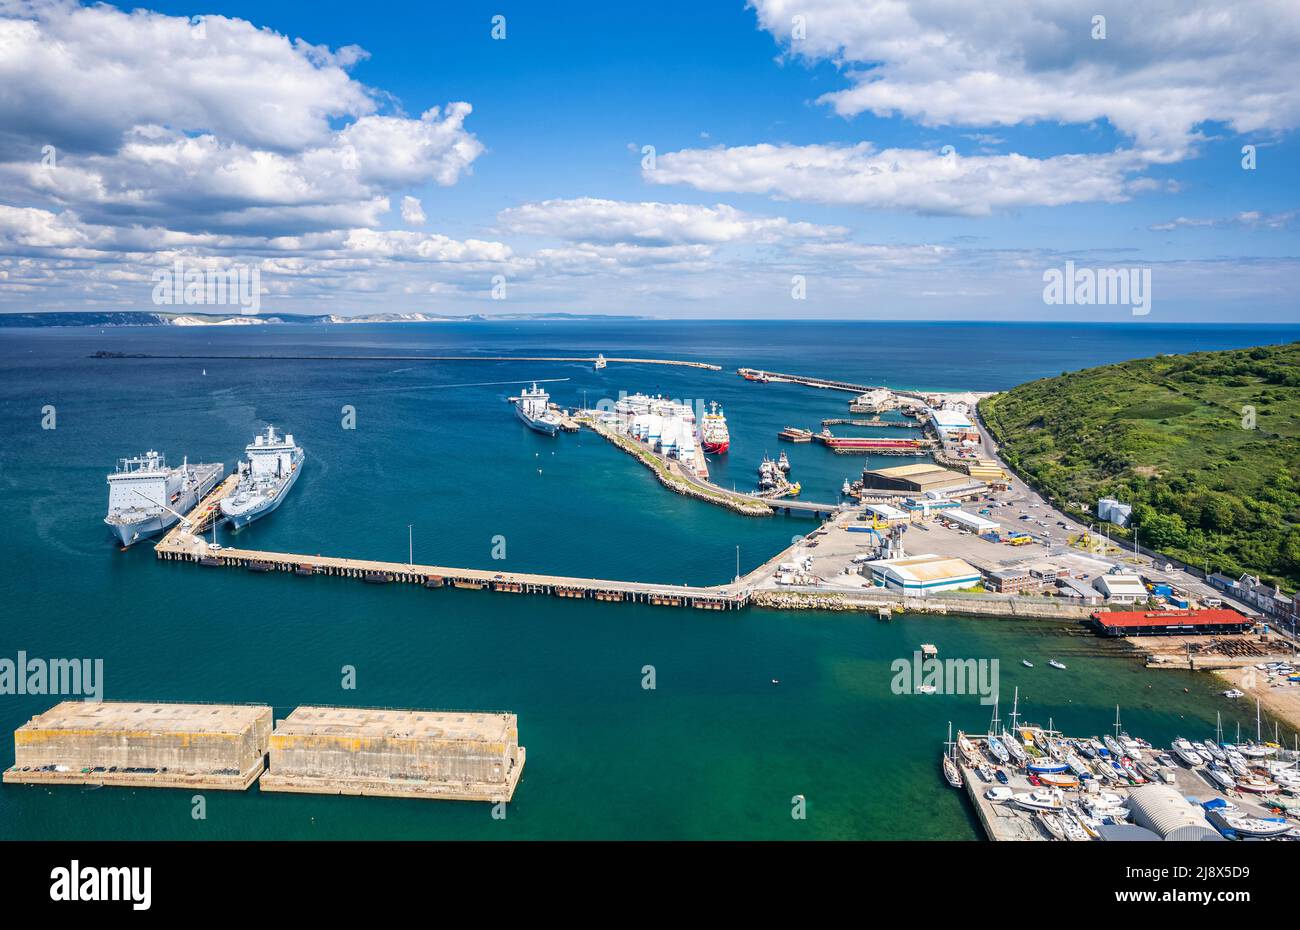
<point x="1205" y="446"/>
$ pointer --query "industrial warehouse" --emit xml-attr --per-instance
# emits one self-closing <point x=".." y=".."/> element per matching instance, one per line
<point x="923" y="573"/>
<point x="916" y="478"/>
<point x="1169" y="622"/>
<point x="315" y="750"/>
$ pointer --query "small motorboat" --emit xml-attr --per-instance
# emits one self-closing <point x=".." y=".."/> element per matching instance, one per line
<point x="1002" y="777"/>
<point x="1040" y="799"/>
<point x="1052" y="824"/>
<point x="1187" y="753"/>
<point x="986" y="773"/>
<point x="1026" y="663"/>
<point x="1233" y="694"/>
<point x="1055" y="664"/>
<point x="1242" y="824"/>
<point x="1221" y="778"/>
<point x="1059" y="781"/>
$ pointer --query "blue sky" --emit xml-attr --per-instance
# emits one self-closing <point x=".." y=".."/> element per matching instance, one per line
<point x="262" y="136"/>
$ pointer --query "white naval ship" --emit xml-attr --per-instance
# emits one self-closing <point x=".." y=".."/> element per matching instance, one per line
<point x="145" y="496"/>
<point x="533" y="407"/>
<point x="272" y="467"/>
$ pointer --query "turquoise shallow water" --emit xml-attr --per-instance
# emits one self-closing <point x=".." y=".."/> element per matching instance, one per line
<point x="715" y="750"/>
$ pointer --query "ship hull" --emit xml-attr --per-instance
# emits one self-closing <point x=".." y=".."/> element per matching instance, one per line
<point x="541" y="426"/>
<point x="130" y="533"/>
<point x="242" y="518"/>
<point x="716" y="448"/>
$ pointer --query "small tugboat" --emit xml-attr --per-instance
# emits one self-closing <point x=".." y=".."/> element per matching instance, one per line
<point x="845" y="489"/>
<point x="600" y="361"/>
<point x="767" y="474"/>
<point x="783" y="463"/>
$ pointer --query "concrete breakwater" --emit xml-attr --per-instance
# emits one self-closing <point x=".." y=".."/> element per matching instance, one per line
<point x="315" y="750"/>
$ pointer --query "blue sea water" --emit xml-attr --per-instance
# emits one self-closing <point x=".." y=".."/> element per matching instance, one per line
<point x="714" y="751"/>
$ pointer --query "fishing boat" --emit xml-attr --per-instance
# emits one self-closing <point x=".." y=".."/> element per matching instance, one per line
<point x="1055" y="664"/>
<point x="1146" y="771"/>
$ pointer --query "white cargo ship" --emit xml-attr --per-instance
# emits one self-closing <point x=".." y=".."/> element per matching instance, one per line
<point x="273" y="465"/>
<point x="145" y="496"/>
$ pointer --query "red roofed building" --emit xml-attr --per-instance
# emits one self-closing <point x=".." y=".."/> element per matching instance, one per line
<point x="1169" y="622"/>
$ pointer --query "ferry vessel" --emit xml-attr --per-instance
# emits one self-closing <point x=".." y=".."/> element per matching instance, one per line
<point x="715" y="438"/>
<point x="145" y="496"/>
<point x="533" y="407"/>
<point x="273" y="465"/>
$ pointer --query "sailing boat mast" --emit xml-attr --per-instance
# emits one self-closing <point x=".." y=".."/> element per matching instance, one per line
<point x="1117" y="726"/>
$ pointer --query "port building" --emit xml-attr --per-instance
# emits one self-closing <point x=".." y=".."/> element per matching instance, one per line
<point x="1165" y="812"/>
<point x="887" y="513"/>
<point x="916" y="478"/>
<point x="1170" y="622"/>
<point x="221" y="746"/>
<point x="951" y="424"/>
<point x="396" y="753"/>
<point x="923" y="574"/>
<point x="969" y="521"/>
<point x="1121" y="588"/>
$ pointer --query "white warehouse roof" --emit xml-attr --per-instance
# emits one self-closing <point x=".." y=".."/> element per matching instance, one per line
<point x="970" y="521"/>
<point x="1163" y="810"/>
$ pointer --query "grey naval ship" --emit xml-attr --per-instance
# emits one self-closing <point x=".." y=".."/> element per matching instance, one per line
<point x="533" y="407"/>
<point x="145" y="496"/>
<point x="271" y="470"/>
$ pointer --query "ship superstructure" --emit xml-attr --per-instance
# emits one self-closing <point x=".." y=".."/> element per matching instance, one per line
<point x="273" y="465"/>
<point x="715" y="438"/>
<point x="145" y="496"/>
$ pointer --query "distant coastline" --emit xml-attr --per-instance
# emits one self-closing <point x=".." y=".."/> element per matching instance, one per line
<point x="157" y="318"/>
